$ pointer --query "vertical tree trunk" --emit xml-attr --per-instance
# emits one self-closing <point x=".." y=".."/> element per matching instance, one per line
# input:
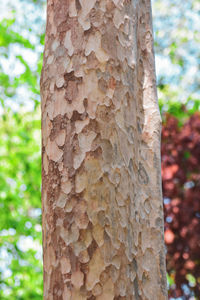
<point x="102" y="200"/>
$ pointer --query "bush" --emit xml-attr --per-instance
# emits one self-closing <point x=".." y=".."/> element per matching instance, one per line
<point x="181" y="189"/>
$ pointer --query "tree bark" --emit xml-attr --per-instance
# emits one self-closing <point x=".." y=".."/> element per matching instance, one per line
<point x="101" y="187"/>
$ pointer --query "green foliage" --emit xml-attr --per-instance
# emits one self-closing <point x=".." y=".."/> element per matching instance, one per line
<point x="8" y="36"/>
<point x="181" y="111"/>
<point x="20" y="159"/>
<point x="177" y="41"/>
<point x="20" y="227"/>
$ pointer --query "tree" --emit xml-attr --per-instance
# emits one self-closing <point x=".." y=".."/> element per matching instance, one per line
<point x="101" y="194"/>
<point x="20" y="185"/>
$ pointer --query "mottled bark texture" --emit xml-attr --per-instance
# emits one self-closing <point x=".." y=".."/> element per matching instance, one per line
<point x="102" y="201"/>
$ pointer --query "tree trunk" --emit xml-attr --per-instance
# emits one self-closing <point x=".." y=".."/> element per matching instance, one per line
<point x="101" y="193"/>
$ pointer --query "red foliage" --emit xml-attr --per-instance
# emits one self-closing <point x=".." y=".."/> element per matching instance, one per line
<point x="181" y="189"/>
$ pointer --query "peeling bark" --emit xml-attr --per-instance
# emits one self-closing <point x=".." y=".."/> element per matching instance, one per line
<point x="101" y="191"/>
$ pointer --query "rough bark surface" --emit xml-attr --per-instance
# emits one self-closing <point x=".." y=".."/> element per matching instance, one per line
<point x="102" y="201"/>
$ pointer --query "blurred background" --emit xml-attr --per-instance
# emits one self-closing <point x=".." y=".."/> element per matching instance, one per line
<point x="177" y="47"/>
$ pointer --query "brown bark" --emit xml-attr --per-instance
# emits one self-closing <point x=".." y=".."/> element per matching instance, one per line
<point x="101" y="194"/>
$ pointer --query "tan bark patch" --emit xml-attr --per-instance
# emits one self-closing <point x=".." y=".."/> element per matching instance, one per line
<point x="65" y="265"/>
<point x="77" y="279"/>
<point x="96" y="266"/>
